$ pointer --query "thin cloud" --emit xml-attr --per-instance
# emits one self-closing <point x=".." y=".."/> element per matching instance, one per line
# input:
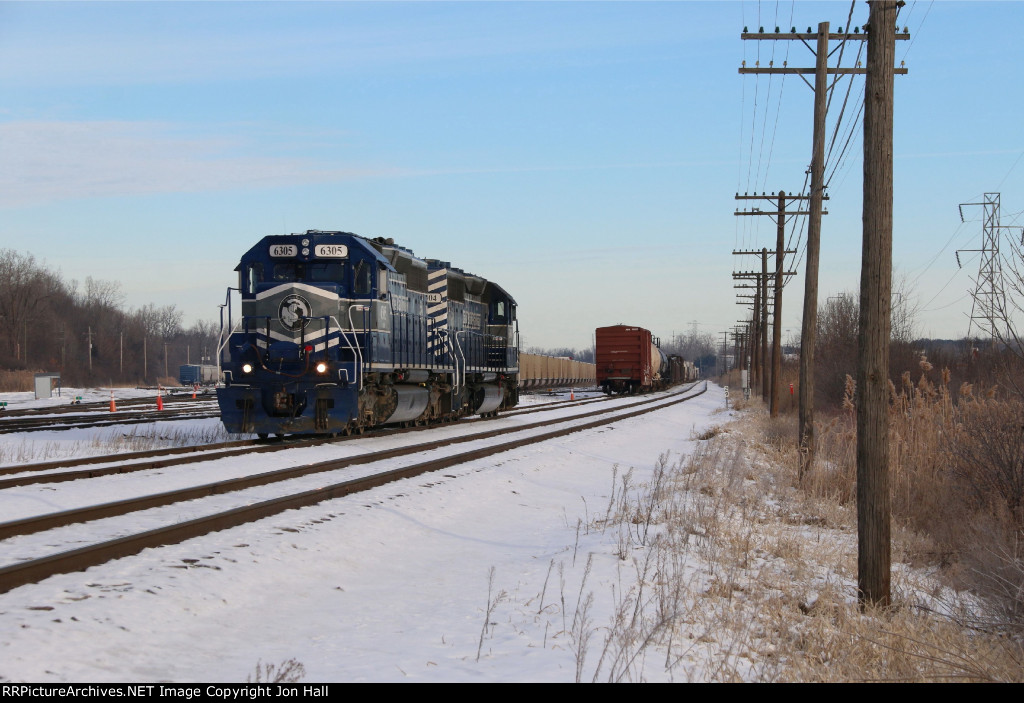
<point x="221" y="44"/>
<point x="43" y="162"/>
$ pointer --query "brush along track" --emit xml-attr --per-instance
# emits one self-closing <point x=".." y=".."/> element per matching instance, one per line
<point x="34" y="570"/>
<point x="162" y="458"/>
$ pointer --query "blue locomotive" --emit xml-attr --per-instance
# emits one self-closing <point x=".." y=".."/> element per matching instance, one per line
<point x="339" y="333"/>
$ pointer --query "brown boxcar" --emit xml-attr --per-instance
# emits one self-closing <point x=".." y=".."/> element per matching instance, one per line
<point x="628" y="361"/>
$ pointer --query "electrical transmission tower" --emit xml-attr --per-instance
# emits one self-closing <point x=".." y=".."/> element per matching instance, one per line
<point x="989" y="297"/>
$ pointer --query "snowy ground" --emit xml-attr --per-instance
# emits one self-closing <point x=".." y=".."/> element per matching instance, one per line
<point x="52" y="445"/>
<point x="389" y="585"/>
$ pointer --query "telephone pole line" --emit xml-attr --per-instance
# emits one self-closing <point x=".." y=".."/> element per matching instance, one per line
<point x="780" y="215"/>
<point x="821" y="72"/>
<point x="769" y="371"/>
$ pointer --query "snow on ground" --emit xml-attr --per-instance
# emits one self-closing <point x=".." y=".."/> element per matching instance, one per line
<point x="65" y="396"/>
<point x="390" y="585"/>
<point x="57" y="444"/>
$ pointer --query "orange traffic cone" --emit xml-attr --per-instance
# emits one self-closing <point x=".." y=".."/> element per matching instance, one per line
<point x="572" y="394"/>
<point x="160" y="400"/>
<point x="113" y="406"/>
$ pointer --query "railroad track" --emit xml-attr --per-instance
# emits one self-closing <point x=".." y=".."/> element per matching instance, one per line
<point x="129" y="413"/>
<point x="50" y="471"/>
<point x="381" y="467"/>
<point x="133" y="411"/>
<point x="98" y="406"/>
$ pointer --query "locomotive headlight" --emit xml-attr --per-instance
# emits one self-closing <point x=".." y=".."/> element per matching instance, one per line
<point x="321" y="367"/>
<point x="246" y="368"/>
<point x="305" y="242"/>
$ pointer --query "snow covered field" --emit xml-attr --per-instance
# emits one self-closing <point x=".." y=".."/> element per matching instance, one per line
<point x="385" y="586"/>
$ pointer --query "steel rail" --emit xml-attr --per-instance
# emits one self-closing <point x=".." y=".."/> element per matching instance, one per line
<point x="34" y="570"/>
<point x="256" y="445"/>
<point x="38" y="523"/>
<point x="129" y="417"/>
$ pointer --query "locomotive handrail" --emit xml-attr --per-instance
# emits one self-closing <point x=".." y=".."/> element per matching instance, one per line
<point x="462" y="355"/>
<point x="443" y="334"/>
<point x="356" y="351"/>
<point x="221" y="343"/>
<point x="451" y="351"/>
<point x="223" y="340"/>
<point x="245" y="326"/>
<point x="352" y="327"/>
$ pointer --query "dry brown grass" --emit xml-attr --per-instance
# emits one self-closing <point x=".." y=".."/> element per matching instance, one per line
<point x="16" y="381"/>
<point x="744" y="576"/>
<point x="731" y="571"/>
<point x="786" y="565"/>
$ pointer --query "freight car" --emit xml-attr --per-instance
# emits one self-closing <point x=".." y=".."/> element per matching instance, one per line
<point x="680" y="370"/>
<point x="538" y="371"/>
<point x="339" y="333"/>
<point x="629" y="360"/>
<point x="198" y="374"/>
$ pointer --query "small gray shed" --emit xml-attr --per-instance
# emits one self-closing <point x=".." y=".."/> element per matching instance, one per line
<point x="45" y="383"/>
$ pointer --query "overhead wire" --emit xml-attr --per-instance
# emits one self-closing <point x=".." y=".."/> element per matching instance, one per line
<point x="778" y="106"/>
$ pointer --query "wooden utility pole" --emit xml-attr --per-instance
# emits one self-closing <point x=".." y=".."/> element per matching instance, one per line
<point x="757" y="356"/>
<point x="809" y="328"/>
<point x="808" y="331"/>
<point x="765" y="385"/>
<point x="780" y="215"/>
<point x="780" y="234"/>
<point x="764" y="306"/>
<point x="873" y="502"/>
<point x="756" y="361"/>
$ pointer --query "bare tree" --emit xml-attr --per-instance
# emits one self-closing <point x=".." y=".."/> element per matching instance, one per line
<point x="697" y="347"/>
<point x="27" y="288"/>
<point x="169" y="321"/>
<point x="102" y="294"/>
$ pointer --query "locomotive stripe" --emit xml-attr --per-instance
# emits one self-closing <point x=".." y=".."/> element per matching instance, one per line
<point x="312" y="290"/>
<point x="437" y="312"/>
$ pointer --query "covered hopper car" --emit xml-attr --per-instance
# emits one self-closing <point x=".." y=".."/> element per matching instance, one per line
<point x="538" y="371"/>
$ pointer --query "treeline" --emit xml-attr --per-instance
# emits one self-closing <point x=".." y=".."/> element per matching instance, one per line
<point x="584" y="355"/>
<point x="986" y="362"/>
<point x="694" y="346"/>
<point x="86" y="333"/>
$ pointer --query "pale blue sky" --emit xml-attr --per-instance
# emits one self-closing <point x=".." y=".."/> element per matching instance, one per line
<point x="584" y="155"/>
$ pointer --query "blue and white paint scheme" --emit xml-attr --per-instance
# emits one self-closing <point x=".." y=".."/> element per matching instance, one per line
<point x="338" y="333"/>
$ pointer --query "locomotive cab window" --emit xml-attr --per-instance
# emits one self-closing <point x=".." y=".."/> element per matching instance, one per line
<point x="499" y="311"/>
<point x="324" y="271"/>
<point x="253" y="275"/>
<point x="363" y="281"/>
<point x="286" y="272"/>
